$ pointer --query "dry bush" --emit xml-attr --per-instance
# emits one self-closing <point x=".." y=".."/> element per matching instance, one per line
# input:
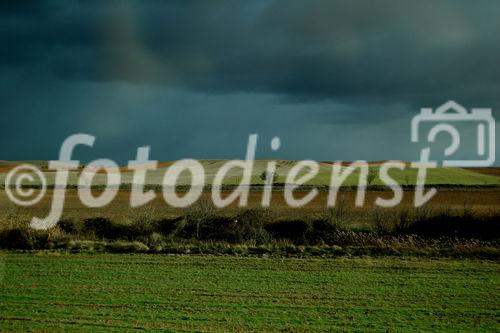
<point x="337" y="215"/>
<point x="143" y="220"/>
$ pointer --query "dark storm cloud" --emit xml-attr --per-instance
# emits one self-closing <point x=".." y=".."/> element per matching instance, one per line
<point x="388" y="51"/>
<point x="138" y="72"/>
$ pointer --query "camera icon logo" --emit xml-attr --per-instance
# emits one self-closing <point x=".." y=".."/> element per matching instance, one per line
<point x="446" y="117"/>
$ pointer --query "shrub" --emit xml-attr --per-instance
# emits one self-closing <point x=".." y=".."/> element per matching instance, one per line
<point x="68" y="226"/>
<point x="338" y="214"/>
<point x="218" y="228"/>
<point x="125" y="231"/>
<point x="201" y="210"/>
<point x="462" y="225"/>
<point x="323" y="231"/>
<point x="196" y="215"/>
<point x="404" y="218"/>
<point x="104" y="228"/>
<point x="28" y="239"/>
<point x="17" y="239"/>
<point x="433" y="224"/>
<point x="188" y="228"/>
<point x="250" y="225"/>
<point x="143" y="220"/>
<point x="169" y="227"/>
<point x="100" y="226"/>
<point x="381" y="221"/>
<point x="247" y="226"/>
<point x="294" y="230"/>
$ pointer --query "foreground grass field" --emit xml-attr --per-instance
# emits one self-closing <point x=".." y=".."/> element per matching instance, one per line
<point x="124" y="292"/>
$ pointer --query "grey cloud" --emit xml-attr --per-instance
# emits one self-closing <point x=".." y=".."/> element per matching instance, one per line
<point x="389" y="50"/>
<point x="135" y="72"/>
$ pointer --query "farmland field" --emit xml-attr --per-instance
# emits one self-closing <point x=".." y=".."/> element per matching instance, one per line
<point x="439" y="176"/>
<point x="107" y="292"/>
<point x="481" y="200"/>
<point x="53" y="290"/>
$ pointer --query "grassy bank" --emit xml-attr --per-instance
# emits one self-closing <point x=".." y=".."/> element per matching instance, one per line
<point x="126" y="292"/>
<point x="204" y="230"/>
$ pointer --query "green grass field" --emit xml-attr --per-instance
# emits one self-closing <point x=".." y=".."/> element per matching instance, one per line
<point x="441" y="176"/>
<point x="105" y="292"/>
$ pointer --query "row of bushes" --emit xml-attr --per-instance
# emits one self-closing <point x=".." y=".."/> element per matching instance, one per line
<point x="396" y="247"/>
<point x="212" y="228"/>
<point x="259" y="227"/>
<point x="430" y="223"/>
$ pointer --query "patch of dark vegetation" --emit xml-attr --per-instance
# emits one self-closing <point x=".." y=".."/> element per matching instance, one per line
<point x="293" y="230"/>
<point x="323" y="230"/>
<point x="17" y="239"/>
<point x="204" y="230"/>
<point x="27" y="239"/>
<point x="69" y="226"/>
<point x="169" y="227"/>
<point x="102" y="227"/>
<point x="431" y="224"/>
<point x="212" y="228"/>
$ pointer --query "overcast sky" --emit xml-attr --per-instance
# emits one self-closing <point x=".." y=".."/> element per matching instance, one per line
<point x="335" y="80"/>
